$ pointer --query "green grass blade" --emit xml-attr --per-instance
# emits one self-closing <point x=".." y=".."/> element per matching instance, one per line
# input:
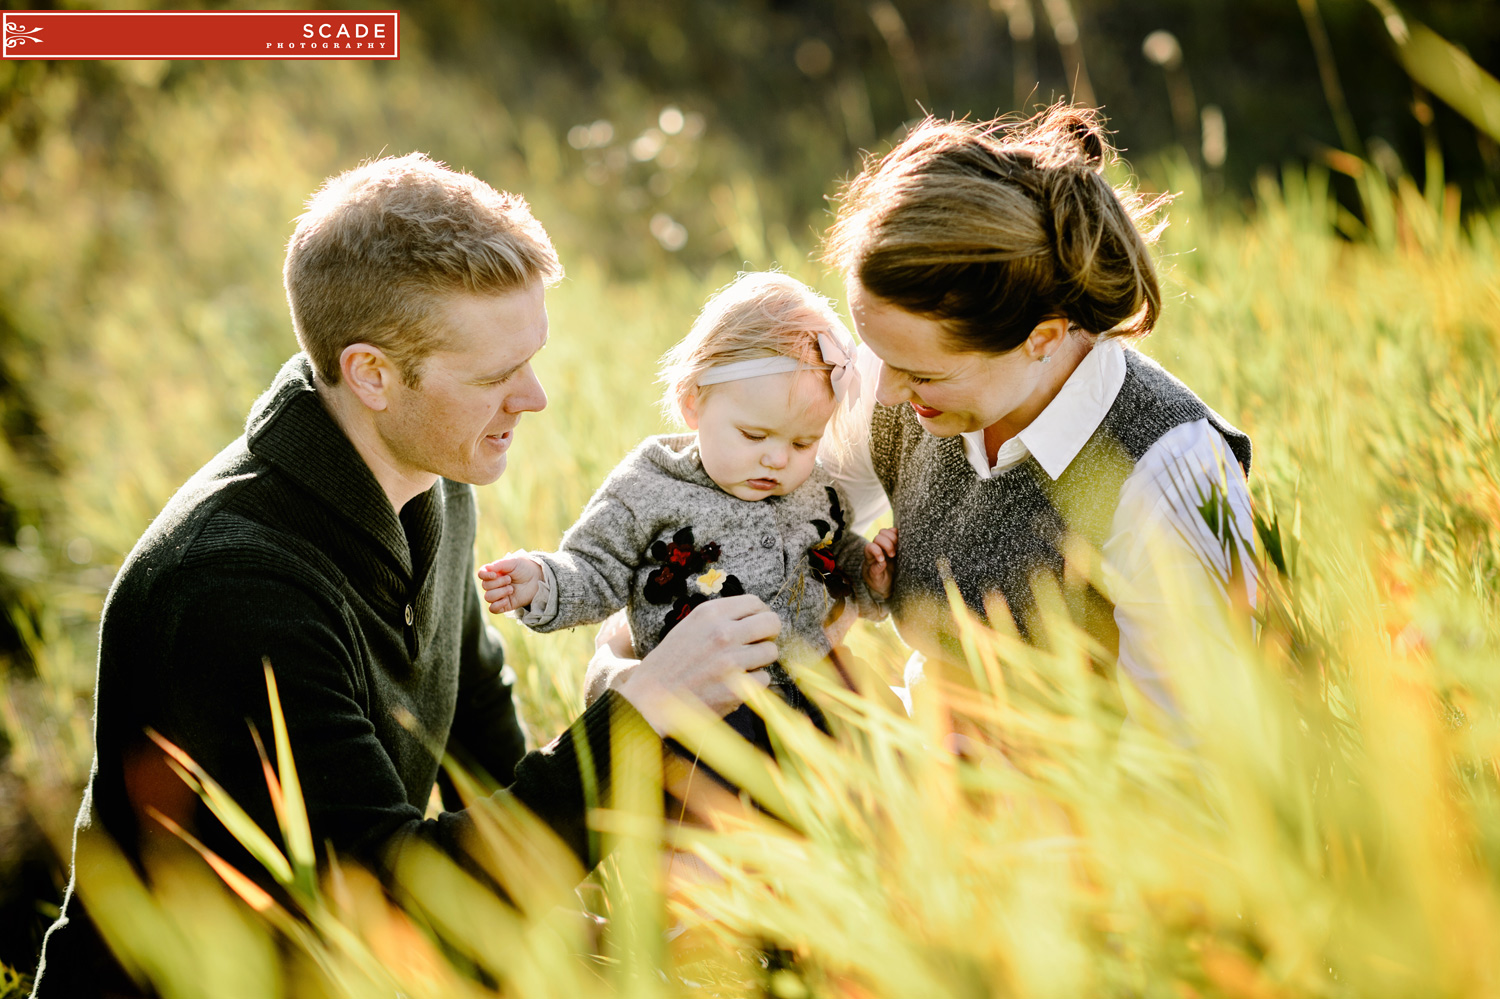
<point x="1448" y="72"/>
<point x="292" y="812"/>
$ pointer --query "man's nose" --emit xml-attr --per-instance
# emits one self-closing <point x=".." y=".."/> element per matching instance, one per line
<point x="890" y="388"/>
<point x="529" y="396"/>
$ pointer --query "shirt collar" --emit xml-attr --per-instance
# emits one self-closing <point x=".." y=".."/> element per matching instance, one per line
<point x="290" y="427"/>
<point x="1061" y="430"/>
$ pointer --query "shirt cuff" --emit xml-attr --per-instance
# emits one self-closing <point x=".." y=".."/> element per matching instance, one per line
<point x="543" y="606"/>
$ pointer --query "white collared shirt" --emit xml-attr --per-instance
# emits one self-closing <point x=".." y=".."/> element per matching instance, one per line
<point x="1158" y="541"/>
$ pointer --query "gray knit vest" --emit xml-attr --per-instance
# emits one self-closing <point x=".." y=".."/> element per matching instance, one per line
<point x="1004" y="535"/>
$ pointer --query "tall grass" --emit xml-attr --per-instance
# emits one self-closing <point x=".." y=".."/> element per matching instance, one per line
<point x="1326" y="823"/>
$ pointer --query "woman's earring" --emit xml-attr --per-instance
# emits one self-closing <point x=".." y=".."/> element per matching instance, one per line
<point x="1045" y="358"/>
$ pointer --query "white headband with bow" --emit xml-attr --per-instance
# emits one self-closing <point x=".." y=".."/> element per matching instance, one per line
<point x="837" y="352"/>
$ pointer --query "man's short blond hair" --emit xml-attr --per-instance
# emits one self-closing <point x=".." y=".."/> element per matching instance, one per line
<point x="380" y="245"/>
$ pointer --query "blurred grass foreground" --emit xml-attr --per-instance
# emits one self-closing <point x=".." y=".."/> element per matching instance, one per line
<point x="1326" y="824"/>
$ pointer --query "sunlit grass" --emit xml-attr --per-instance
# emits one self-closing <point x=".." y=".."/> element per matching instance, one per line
<point x="1326" y="824"/>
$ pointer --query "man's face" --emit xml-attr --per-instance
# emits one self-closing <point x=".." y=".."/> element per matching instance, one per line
<point x="458" y="423"/>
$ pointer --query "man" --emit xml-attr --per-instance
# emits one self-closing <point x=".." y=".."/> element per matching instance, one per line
<point x="334" y="540"/>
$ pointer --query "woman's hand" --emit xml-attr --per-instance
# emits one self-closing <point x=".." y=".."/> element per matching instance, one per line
<point x="614" y="656"/>
<point x="708" y="658"/>
<point x="880" y="563"/>
<point x="836" y="628"/>
<point x="614" y="636"/>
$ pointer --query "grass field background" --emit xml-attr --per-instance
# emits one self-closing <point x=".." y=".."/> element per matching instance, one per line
<point x="1332" y="829"/>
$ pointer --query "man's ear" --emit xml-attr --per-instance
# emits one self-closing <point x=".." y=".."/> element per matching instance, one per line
<point x="1047" y="338"/>
<point x="687" y="404"/>
<point x="369" y="373"/>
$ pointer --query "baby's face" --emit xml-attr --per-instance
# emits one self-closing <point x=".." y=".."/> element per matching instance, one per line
<point x="759" y="436"/>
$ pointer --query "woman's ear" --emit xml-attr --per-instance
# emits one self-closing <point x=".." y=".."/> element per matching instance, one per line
<point x="1047" y="339"/>
<point x="369" y="374"/>
<point x="687" y="404"/>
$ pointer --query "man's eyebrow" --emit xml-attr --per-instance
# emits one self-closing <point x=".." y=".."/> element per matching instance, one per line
<point x="500" y="376"/>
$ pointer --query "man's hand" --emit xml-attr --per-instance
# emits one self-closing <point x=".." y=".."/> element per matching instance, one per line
<point x="510" y="583"/>
<point x="880" y="563"/>
<point x="707" y="657"/>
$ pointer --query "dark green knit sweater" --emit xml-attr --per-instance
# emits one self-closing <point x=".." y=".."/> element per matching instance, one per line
<point x="284" y="547"/>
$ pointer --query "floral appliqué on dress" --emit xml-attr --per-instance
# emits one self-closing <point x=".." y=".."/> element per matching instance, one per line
<point x="680" y="560"/>
<point x="820" y="555"/>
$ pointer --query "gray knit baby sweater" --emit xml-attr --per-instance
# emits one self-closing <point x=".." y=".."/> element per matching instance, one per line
<point x="631" y="530"/>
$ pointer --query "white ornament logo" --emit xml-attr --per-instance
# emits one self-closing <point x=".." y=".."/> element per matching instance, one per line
<point x="16" y="34"/>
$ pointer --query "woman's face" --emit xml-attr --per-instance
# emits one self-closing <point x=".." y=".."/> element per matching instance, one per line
<point x="951" y="392"/>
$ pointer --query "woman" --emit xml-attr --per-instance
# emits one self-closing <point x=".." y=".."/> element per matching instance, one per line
<point x="994" y="277"/>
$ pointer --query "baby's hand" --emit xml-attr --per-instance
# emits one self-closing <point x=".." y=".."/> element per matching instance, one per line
<point x="880" y="559"/>
<point x="510" y="583"/>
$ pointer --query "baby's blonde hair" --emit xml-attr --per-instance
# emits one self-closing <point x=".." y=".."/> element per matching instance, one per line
<point x="758" y="314"/>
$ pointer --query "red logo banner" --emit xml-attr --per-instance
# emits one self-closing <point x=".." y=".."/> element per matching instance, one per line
<point x="201" y="34"/>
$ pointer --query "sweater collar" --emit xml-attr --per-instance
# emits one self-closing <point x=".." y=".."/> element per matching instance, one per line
<point x="290" y="428"/>
<point x="677" y="455"/>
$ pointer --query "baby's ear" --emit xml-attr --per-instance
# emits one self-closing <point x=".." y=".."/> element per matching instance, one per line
<point x="687" y="404"/>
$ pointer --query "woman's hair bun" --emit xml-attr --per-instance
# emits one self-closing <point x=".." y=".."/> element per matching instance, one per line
<point x="993" y="227"/>
<point x="1069" y="132"/>
<point x="1090" y="139"/>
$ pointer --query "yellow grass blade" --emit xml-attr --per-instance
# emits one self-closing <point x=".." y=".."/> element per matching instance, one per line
<point x="273" y="785"/>
<point x="240" y="825"/>
<point x="254" y="895"/>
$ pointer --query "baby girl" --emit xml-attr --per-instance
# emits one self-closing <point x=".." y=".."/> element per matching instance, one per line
<point x="739" y="506"/>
